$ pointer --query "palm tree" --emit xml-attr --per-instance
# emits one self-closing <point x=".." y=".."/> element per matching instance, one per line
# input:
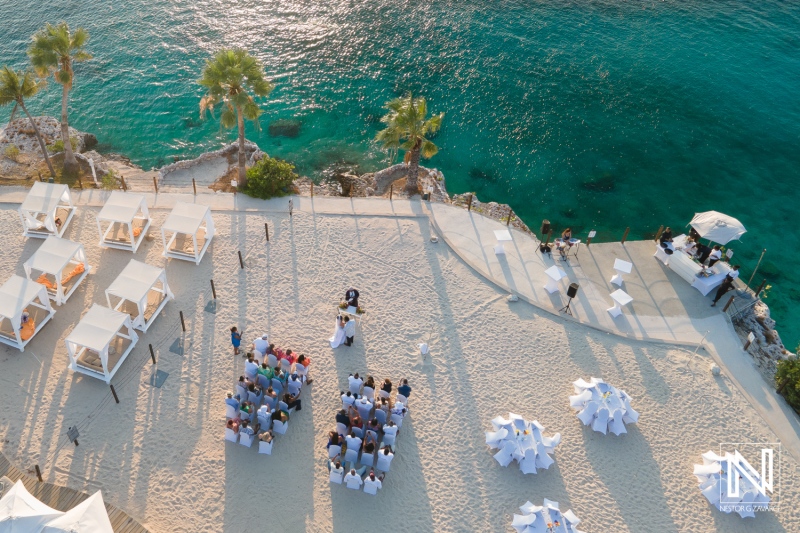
<point x="16" y="87"/>
<point x="53" y="50"/>
<point x="230" y="77"/>
<point x="406" y="128"/>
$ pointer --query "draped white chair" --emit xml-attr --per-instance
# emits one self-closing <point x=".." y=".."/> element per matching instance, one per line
<point x="265" y="447"/>
<point x="245" y="439"/>
<point x="231" y="435"/>
<point x="601" y="421"/>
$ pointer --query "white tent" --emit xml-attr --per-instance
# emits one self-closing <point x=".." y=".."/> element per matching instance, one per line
<point x="191" y="229"/>
<point x="24" y="309"/>
<point x="140" y="290"/>
<point x="127" y="220"/>
<point x="89" y="516"/>
<point x="100" y="342"/>
<point x="717" y="227"/>
<point x="46" y="210"/>
<point x="60" y="265"/>
<point x="21" y="512"/>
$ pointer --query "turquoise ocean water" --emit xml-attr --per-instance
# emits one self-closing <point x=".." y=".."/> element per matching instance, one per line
<point x="593" y="114"/>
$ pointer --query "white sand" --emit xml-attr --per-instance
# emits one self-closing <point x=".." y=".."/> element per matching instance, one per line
<point x="160" y="454"/>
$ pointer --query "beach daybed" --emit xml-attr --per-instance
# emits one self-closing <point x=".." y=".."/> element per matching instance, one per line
<point x="191" y="229"/>
<point x="100" y="342"/>
<point x="140" y="290"/>
<point x="22" y="299"/>
<point x="60" y="266"/>
<point x="126" y="219"/>
<point x="46" y="210"/>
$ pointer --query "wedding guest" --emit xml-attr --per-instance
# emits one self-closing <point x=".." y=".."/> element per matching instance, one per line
<point x="247" y="429"/>
<point x="349" y="331"/>
<point x="374" y="427"/>
<point x="404" y="389"/>
<point x="233" y="401"/>
<point x="372" y="483"/>
<point x="353" y="442"/>
<point x="270" y="392"/>
<point x="353" y="478"/>
<point x="351" y="297"/>
<point x="280" y="416"/>
<point x="666" y="236"/>
<point x="294" y="384"/>
<point x="236" y="339"/>
<point x="364" y="407"/>
<point x="387" y="386"/>
<point x="261" y="344"/>
<point x="266" y="371"/>
<point x="348" y="399"/>
<point x="250" y="368"/>
<point x="342" y="418"/>
<point x="305" y="362"/>
<point x="355" y="419"/>
<point x="293" y="402"/>
<point x="336" y="470"/>
<point x="385" y="459"/>
<point x="233" y="423"/>
<point x="716" y="255"/>
<point x="270" y="350"/>
<point x="334" y="439"/>
<point x="289" y="356"/>
<point x="266" y="436"/>
<point x="355" y="383"/>
<point x="389" y="433"/>
<point x="370" y="442"/>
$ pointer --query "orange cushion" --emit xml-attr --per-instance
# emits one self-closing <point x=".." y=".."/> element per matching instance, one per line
<point x="46" y="282"/>
<point x="28" y="328"/>
<point x="77" y="271"/>
<point x="137" y="232"/>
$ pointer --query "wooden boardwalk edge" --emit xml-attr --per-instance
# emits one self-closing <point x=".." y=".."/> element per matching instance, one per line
<point x="64" y="498"/>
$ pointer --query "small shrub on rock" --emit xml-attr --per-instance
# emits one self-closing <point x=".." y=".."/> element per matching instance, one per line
<point x="12" y="152"/>
<point x="269" y="178"/>
<point x="787" y="379"/>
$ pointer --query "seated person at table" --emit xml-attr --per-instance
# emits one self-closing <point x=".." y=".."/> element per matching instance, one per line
<point x="566" y="235"/>
<point x="342" y="418"/>
<point x="404" y="389"/>
<point x="716" y="255"/>
<point x="266" y="371"/>
<point x="385" y="459"/>
<point x="666" y="236"/>
<point x="563" y="248"/>
<point x="266" y="436"/>
<point x="353" y="478"/>
<point x="372" y="483"/>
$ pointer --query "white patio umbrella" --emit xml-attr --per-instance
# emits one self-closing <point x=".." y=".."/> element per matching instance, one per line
<point x="89" y="516"/>
<point x="717" y="227"/>
<point x="21" y="512"/>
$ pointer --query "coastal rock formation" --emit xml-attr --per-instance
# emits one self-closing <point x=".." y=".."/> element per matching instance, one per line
<point x="20" y="133"/>
<point x="492" y="210"/>
<point x="229" y="153"/>
<point x="767" y="349"/>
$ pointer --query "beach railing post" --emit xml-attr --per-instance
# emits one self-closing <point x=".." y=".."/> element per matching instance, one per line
<point x="124" y="185"/>
<point x="747" y="344"/>
<point x="194" y="186"/>
<point x="749" y="281"/>
<point x="659" y="232"/>
<point x="213" y="290"/>
<point x="155" y="184"/>
<point x="152" y="354"/>
<point x="312" y="189"/>
<point x="727" y="305"/>
<point x="469" y="205"/>
<point x="116" y="398"/>
<point x="391" y="191"/>
<point x="241" y="261"/>
<point x="508" y="220"/>
<point x="183" y="322"/>
<point x="266" y="231"/>
<point x="549" y="235"/>
<point x="80" y="182"/>
<point x="38" y="473"/>
<point x="625" y="235"/>
<point x="760" y="287"/>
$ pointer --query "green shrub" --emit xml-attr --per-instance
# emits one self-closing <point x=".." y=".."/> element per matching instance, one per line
<point x="269" y="178"/>
<point x="12" y="152"/>
<point x="789" y="373"/>
<point x="58" y="146"/>
<point x="109" y="181"/>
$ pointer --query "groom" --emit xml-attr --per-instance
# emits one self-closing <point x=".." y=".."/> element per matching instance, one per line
<point x="351" y="297"/>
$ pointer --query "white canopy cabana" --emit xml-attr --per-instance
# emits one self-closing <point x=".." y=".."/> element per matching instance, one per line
<point x="60" y="266"/>
<point x="100" y="342"/>
<point x="24" y="310"/>
<point x="191" y="228"/>
<point x="46" y="210"/>
<point x="141" y="290"/>
<point x="89" y="516"/>
<point x="20" y="511"/>
<point x="126" y="219"/>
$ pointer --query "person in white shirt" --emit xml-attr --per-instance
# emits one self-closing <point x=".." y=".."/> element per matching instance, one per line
<point x="250" y="368"/>
<point x="353" y="479"/>
<point x="261" y="344"/>
<point x="384" y="459"/>
<point x="348" y="400"/>
<point x="353" y="442"/>
<point x="336" y="471"/>
<point x="714" y="256"/>
<point x="389" y="433"/>
<point x="364" y="408"/>
<point x="733" y="274"/>
<point x="355" y="384"/>
<point x="373" y="483"/>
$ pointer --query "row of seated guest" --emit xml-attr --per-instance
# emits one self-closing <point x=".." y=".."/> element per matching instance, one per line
<point x="360" y="441"/>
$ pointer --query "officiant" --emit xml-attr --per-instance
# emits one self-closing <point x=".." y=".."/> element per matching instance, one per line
<point x="351" y="297"/>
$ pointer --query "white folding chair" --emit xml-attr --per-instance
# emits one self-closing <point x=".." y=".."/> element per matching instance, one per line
<point x="334" y="450"/>
<point x="265" y="447"/>
<point x="571" y="518"/>
<point x="253" y="397"/>
<point x="504" y="456"/>
<point x="272" y="361"/>
<point x="277" y="386"/>
<point x="380" y="414"/>
<point x="402" y="399"/>
<point x="241" y="391"/>
<point x="551" y="442"/>
<point x="388" y="440"/>
<point x="383" y="394"/>
<point x="543" y="460"/>
<point x="251" y="375"/>
<point x="294" y="387"/>
<point x="528" y="464"/>
<point x="359" y="432"/>
<point x="264" y="420"/>
<point x="230" y="411"/>
<point x="263" y="381"/>
<point x="269" y="400"/>
<point x="282" y="406"/>
<point x="579" y="400"/>
<point x="712" y="493"/>
<point x="351" y="456"/>
<point x="286" y="366"/>
<point x="280" y="427"/>
<point x="231" y="435"/>
<point x="368" y="459"/>
<point x="617" y="426"/>
<point x="397" y="419"/>
<point x="601" y="421"/>
<point x="258" y="356"/>
<point x="630" y="416"/>
<point x="244" y="415"/>
<point x="301" y="370"/>
<point x="493" y="438"/>
<point x="245" y="439"/>
<point x="587" y="415"/>
<point x="368" y="393"/>
<point x="341" y="429"/>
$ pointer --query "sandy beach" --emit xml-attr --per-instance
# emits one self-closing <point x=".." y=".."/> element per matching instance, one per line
<point x="160" y="453"/>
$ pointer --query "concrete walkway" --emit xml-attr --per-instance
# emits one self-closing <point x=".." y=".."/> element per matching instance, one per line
<point x="664" y="308"/>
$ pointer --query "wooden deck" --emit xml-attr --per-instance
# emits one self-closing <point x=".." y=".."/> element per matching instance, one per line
<point x="64" y="499"/>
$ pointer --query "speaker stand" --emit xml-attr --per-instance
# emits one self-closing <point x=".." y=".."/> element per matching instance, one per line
<point x="566" y="308"/>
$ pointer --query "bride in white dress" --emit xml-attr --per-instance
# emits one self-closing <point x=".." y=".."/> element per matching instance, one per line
<point x="338" y="334"/>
